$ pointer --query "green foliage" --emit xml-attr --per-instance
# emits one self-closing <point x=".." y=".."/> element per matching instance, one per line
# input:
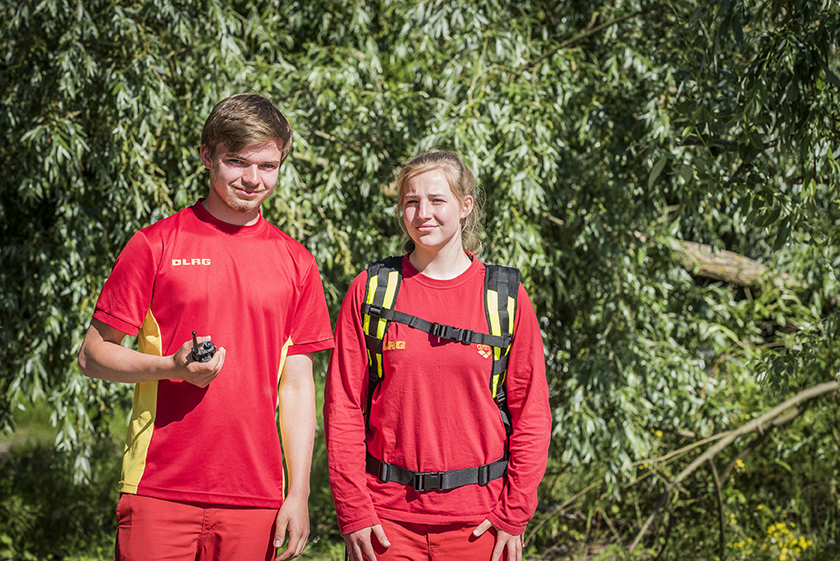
<point x="45" y="514"/>
<point x="600" y="132"/>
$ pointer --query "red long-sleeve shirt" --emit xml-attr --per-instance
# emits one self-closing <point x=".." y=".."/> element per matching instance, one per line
<point x="433" y="410"/>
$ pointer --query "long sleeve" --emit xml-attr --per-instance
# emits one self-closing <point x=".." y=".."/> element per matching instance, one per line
<point x="343" y="421"/>
<point x="531" y="422"/>
<point x="433" y="410"/>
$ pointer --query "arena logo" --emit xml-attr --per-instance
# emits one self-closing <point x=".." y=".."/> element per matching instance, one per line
<point x="195" y="261"/>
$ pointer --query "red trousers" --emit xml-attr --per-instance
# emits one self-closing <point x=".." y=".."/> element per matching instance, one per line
<point x="153" y="530"/>
<point x="424" y="542"/>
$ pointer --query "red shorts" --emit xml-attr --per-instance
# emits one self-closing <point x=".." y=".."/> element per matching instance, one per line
<point x="446" y="542"/>
<point x="151" y="529"/>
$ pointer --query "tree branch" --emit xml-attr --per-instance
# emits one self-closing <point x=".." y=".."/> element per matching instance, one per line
<point x="580" y="37"/>
<point x="777" y="422"/>
<point x="756" y="424"/>
<point x="720" y="265"/>
<point x="721" y="521"/>
<point x="728" y="266"/>
<point x="723" y="265"/>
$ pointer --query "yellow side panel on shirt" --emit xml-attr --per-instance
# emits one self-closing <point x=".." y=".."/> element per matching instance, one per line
<point x="143" y="411"/>
<point x="283" y="354"/>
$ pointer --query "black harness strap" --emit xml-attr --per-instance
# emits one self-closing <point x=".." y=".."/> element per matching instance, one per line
<point x="504" y="283"/>
<point x="440" y="330"/>
<point x="373" y="338"/>
<point x="501" y="287"/>
<point x="436" y="480"/>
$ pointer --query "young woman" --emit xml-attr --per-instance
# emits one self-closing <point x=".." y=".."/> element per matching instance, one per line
<point x="428" y="461"/>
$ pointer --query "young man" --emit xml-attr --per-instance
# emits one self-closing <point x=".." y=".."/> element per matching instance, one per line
<point x="202" y="472"/>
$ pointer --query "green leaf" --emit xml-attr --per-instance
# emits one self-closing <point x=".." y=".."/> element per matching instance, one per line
<point x="657" y="169"/>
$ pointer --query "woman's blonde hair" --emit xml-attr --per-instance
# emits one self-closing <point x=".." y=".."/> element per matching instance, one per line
<point x="462" y="183"/>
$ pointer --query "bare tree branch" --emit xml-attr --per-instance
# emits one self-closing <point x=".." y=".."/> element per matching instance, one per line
<point x="721" y="520"/>
<point x="756" y="424"/>
<point x="580" y="37"/>
<point x="720" y="264"/>
<point x="758" y="440"/>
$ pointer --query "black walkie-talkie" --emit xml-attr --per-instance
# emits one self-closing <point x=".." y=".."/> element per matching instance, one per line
<point x="202" y="352"/>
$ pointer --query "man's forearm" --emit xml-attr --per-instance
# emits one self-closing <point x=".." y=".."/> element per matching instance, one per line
<point x="103" y="357"/>
<point x="297" y="421"/>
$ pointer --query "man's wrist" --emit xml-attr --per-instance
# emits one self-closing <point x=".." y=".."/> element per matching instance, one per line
<point x="298" y="495"/>
<point x="169" y="368"/>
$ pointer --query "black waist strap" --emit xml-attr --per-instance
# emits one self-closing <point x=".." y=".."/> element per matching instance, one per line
<point x="429" y="480"/>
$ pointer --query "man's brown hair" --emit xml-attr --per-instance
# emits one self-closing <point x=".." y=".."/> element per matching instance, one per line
<point x="245" y="120"/>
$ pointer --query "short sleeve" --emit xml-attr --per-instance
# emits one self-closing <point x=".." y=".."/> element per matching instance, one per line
<point x="127" y="294"/>
<point x="311" y="330"/>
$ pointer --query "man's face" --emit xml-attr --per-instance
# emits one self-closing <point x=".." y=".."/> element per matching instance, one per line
<point x="240" y="181"/>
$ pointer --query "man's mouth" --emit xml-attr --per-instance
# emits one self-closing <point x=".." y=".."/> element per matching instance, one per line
<point x="247" y="191"/>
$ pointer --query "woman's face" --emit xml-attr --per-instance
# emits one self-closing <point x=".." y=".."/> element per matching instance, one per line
<point x="432" y="213"/>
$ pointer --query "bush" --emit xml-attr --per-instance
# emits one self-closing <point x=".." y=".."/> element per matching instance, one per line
<point x="46" y="514"/>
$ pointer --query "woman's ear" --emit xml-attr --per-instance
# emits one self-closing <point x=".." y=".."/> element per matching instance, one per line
<point x="467" y="207"/>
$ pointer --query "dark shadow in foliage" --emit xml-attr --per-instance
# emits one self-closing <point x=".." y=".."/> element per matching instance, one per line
<point x="44" y="514"/>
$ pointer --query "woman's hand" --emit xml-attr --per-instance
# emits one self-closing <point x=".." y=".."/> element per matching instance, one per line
<point x="359" y="545"/>
<point x="512" y="543"/>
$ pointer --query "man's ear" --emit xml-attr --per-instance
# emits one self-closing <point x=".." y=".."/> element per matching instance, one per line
<point x="205" y="156"/>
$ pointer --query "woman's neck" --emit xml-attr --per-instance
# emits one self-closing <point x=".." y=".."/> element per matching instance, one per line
<point x="445" y="264"/>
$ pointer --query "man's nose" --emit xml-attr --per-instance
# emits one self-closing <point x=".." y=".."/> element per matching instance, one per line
<point x="250" y="175"/>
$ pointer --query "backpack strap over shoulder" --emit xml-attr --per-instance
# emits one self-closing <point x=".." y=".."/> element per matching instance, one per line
<point x="501" y="288"/>
<point x="383" y="284"/>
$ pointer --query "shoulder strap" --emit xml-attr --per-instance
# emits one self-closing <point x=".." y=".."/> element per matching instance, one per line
<point x="383" y="284"/>
<point x="501" y="288"/>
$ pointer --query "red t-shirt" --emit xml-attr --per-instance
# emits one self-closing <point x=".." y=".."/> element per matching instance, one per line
<point x="433" y="410"/>
<point x="258" y="294"/>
